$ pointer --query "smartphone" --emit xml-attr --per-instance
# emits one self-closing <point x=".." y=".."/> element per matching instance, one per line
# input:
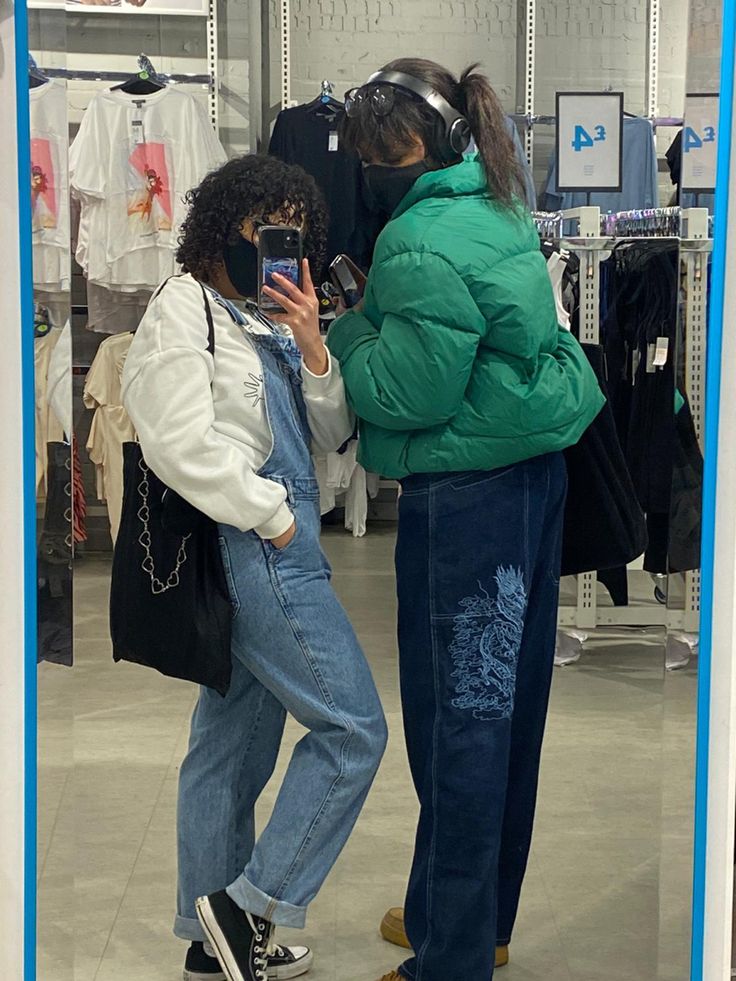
<point x="280" y="250"/>
<point x="348" y="280"/>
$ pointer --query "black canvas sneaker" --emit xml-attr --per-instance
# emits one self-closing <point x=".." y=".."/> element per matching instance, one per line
<point x="284" y="964"/>
<point x="244" y="945"/>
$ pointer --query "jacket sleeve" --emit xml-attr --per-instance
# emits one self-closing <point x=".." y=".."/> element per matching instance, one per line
<point x="412" y="373"/>
<point x="167" y="394"/>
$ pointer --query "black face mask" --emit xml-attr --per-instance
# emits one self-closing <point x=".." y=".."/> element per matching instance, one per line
<point x="241" y="265"/>
<point x="388" y="186"/>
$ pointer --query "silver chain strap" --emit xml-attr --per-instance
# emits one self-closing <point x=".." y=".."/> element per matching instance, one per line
<point x="144" y="539"/>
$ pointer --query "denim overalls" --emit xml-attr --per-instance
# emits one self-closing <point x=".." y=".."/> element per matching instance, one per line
<point x="294" y="651"/>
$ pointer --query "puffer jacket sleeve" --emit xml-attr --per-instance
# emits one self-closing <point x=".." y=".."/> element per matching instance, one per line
<point x="413" y="372"/>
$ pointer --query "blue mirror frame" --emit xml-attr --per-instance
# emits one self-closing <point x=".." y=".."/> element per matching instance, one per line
<point x="726" y="175"/>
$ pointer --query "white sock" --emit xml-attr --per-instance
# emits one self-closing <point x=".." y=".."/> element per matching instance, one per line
<point x="209" y="949"/>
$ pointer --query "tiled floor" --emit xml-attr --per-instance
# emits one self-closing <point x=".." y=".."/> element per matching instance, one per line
<point x="607" y="893"/>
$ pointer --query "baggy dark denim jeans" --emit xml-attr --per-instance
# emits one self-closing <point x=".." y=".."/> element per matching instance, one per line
<point x="477" y="560"/>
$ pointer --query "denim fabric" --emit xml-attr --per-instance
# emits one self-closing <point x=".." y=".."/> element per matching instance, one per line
<point x="294" y="651"/>
<point x="477" y="560"/>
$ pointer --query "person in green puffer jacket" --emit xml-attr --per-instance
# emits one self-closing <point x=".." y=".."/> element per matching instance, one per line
<point x="467" y="390"/>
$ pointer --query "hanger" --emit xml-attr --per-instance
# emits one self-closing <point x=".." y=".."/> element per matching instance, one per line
<point x="36" y="77"/>
<point x="326" y="104"/>
<point x="41" y="321"/>
<point x="146" y="81"/>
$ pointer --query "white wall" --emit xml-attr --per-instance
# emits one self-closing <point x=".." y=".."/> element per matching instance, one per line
<point x="11" y="531"/>
<point x="345" y="41"/>
<point x="585" y="43"/>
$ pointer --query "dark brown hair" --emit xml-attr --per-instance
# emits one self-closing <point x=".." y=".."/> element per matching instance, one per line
<point x="391" y="137"/>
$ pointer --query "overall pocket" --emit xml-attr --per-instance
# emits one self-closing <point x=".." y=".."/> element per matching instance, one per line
<point x="229" y="577"/>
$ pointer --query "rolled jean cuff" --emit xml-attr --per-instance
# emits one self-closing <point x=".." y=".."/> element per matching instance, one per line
<point x="186" y="929"/>
<point x="252" y="900"/>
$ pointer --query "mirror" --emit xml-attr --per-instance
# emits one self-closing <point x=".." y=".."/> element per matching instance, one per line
<point x="146" y="103"/>
<point x="683" y="581"/>
<point x="60" y="512"/>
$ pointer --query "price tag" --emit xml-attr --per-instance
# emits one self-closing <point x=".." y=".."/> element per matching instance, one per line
<point x="334" y="142"/>
<point x="589" y="141"/>
<point x="661" y="352"/>
<point x="136" y="122"/>
<point x="700" y="143"/>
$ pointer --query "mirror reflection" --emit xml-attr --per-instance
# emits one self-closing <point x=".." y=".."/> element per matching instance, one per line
<point x="154" y="794"/>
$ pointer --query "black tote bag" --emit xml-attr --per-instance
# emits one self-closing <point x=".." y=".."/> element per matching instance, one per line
<point x="170" y="606"/>
<point x="604" y="524"/>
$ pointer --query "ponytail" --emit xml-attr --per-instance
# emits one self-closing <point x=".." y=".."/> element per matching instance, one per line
<point x="495" y="146"/>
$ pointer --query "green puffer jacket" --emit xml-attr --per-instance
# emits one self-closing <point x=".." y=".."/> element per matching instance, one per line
<point x="457" y="361"/>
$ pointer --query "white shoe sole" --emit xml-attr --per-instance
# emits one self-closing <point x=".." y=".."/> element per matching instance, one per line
<point x="283" y="973"/>
<point x="219" y="944"/>
<point x="232" y="972"/>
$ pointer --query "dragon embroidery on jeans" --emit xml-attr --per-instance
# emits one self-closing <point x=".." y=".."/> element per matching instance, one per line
<point x="485" y="648"/>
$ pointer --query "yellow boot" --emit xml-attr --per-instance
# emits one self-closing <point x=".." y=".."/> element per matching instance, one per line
<point x="392" y="929"/>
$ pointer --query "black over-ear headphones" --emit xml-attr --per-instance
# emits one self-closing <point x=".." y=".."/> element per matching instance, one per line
<point x="455" y="134"/>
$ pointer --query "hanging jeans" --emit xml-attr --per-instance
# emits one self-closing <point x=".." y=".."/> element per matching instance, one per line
<point x="477" y="560"/>
<point x="294" y="651"/>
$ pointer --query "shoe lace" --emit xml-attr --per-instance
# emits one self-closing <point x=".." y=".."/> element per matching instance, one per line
<point x="264" y="945"/>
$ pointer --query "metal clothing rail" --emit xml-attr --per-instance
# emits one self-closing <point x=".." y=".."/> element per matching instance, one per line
<point x="530" y="121"/>
<point x="85" y="75"/>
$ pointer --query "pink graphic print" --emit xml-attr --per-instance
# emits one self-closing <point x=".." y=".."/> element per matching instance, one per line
<point x="44" y="203"/>
<point x="149" y="200"/>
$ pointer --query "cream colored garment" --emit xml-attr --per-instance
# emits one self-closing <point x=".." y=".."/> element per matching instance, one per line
<point x="111" y="425"/>
<point x="48" y="427"/>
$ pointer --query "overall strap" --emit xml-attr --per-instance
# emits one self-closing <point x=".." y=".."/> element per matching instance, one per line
<point x="210" y="322"/>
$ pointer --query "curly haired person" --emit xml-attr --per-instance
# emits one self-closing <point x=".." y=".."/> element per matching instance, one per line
<point x="231" y="432"/>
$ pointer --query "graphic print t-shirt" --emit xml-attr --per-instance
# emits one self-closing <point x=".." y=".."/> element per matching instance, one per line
<point x="50" y="187"/>
<point x="133" y="160"/>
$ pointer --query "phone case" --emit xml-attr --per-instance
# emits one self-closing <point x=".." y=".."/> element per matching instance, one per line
<point x="280" y="250"/>
<point x="348" y="279"/>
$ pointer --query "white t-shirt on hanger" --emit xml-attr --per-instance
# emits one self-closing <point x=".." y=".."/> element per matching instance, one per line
<point x="50" y="187"/>
<point x="131" y="164"/>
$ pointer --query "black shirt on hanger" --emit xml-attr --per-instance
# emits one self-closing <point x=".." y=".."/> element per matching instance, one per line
<point x="307" y="135"/>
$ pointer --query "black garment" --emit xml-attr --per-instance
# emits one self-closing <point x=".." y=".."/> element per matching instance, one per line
<point x="305" y="135"/>
<point x="604" y="524"/>
<point x="674" y="161"/>
<point x="687" y="496"/>
<point x="55" y="609"/>
<point x="641" y="305"/>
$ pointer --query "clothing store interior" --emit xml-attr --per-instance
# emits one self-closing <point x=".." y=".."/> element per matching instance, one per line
<point x="131" y="106"/>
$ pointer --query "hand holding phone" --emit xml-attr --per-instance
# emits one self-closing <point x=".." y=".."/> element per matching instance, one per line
<point x="300" y="312"/>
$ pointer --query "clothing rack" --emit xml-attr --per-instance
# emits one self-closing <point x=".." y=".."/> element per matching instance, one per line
<point x="647" y="222"/>
<point x="549" y="223"/>
<point x="592" y="246"/>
